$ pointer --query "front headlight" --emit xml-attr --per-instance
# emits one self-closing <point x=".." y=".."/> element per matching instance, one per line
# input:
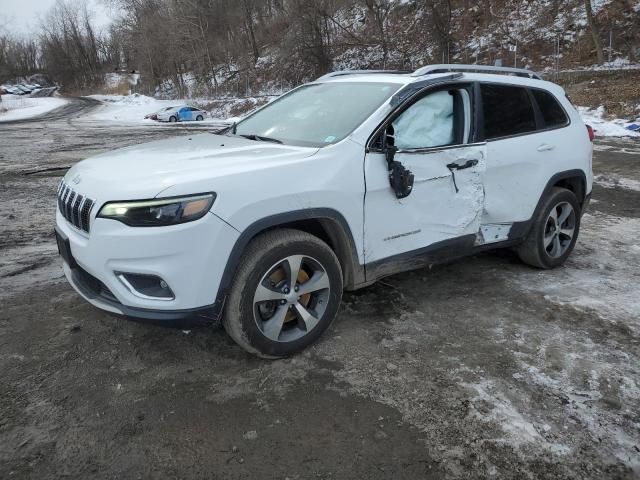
<point x="159" y="212"/>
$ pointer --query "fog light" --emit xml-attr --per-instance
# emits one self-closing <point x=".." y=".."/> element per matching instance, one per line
<point x="149" y="287"/>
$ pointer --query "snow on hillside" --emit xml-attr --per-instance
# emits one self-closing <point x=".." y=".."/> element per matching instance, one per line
<point x="18" y="108"/>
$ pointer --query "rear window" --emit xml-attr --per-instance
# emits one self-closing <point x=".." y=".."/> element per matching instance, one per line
<point x="552" y="112"/>
<point x="507" y="111"/>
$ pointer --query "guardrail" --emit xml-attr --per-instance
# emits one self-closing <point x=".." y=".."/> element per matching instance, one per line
<point x="576" y="76"/>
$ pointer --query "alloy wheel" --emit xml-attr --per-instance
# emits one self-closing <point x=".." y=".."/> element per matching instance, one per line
<point x="559" y="229"/>
<point x="291" y="298"/>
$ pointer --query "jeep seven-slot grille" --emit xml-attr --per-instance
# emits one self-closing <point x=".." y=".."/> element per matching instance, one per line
<point x="74" y="207"/>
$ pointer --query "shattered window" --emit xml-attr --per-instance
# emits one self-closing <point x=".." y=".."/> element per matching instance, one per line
<point x="427" y="123"/>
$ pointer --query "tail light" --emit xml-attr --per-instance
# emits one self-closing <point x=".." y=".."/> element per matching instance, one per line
<point x="591" y="133"/>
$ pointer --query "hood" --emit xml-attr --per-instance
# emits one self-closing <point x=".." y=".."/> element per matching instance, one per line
<point x="143" y="171"/>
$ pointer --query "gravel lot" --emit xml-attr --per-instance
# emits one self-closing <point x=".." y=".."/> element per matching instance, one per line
<point x="484" y="368"/>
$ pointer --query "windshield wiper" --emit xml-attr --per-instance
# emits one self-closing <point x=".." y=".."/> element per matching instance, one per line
<point x="259" y="138"/>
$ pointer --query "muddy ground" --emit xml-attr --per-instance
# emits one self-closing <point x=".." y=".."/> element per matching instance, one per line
<point x="484" y="368"/>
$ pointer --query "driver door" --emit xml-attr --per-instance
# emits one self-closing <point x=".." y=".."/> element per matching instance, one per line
<point x="441" y="216"/>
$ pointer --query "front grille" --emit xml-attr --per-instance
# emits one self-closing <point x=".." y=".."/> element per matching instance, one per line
<point x="74" y="207"/>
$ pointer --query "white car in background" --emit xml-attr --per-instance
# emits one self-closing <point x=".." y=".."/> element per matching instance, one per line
<point x="12" y="90"/>
<point x="334" y="185"/>
<point x="182" y="113"/>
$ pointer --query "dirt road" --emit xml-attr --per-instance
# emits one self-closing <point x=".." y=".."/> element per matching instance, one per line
<point x="483" y="368"/>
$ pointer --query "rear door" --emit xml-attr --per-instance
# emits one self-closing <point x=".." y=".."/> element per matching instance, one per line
<point x="520" y="157"/>
<point x="444" y="208"/>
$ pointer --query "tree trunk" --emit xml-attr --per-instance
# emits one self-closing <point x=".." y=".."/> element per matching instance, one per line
<point x="595" y="31"/>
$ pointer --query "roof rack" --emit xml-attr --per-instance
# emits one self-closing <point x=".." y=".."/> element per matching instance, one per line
<point x="340" y="73"/>
<point x="444" y="68"/>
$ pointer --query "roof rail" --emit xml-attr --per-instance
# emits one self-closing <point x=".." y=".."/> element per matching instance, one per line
<point x="443" y="68"/>
<point x="340" y="73"/>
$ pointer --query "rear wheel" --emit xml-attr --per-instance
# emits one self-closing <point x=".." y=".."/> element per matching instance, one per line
<point x="199" y="118"/>
<point x="173" y="119"/>
<point x="285" y="294"/>
<point x="554" y="232"/>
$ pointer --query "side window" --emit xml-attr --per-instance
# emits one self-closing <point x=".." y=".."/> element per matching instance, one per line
<point x="429" y="122"/>
<point x="552" y="113"/>
<point x="507" y="111"/>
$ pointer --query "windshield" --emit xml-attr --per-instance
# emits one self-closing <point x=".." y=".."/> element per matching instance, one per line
<point x="317" y="115"/>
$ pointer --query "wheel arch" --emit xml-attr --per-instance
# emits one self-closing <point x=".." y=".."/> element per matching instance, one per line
<point x="573" y="180"/>
<point x="327" y="224"/>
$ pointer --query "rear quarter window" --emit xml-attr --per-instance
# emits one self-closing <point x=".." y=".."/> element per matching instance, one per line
<point x="552" y="112"/>
<point x="507" y="111"/>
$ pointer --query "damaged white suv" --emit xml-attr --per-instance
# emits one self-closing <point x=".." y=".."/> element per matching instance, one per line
<point x="338" y="183"/>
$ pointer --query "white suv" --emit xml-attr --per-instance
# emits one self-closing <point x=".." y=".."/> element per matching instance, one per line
<point x="338" y="183"/>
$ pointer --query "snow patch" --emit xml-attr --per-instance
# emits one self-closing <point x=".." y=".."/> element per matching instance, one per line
<point x="19" y="108"/>
<point x="520" y="431"/>
<point x="615" y="181"/>
<point x="609" y="246"/>
<point x="604" y="127"/>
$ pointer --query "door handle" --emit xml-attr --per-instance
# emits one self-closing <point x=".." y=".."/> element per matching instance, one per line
<point x="461" y="166"/>
<point x="546" y="147"/>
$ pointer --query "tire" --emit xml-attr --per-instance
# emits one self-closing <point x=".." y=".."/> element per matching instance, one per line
<point x="554" y="231"/>
<point x="173" y="119"/>
<point x="199" y="118"/>
<point x="269" y="328"/>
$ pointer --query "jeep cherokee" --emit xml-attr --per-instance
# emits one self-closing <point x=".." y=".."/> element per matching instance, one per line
<point x="332" y="186"/>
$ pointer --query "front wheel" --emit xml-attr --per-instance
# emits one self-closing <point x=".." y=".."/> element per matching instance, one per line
<point x="554" y="232"/>
<point x="285" y="294"/>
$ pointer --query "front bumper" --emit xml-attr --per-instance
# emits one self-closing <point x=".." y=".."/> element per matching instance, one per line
<point x="190" y="258"/>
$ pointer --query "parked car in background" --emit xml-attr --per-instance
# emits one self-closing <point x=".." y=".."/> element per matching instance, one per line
<point x="32" y="87"/>
<point x="23" y="89"/>
<point x="12" y="90"/>
<point x="154" y="115"/>
<point x="182" y="113"/>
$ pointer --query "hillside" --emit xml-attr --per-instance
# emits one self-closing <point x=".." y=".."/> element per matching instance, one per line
<point x="247" y="48"/>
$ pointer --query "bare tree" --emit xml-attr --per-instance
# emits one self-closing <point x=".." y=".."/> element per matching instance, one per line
<point x="595" y="31"/>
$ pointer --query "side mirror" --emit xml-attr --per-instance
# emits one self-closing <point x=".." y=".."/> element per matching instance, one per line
<point x="400" y="178"/>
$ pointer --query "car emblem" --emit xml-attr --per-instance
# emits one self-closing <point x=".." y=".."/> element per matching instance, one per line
<point x="76" y="180"/>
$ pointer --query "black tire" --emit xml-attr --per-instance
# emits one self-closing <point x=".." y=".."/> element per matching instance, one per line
<point x="533" y="250"/>
<point x="173" y="119"/>
<point x="199" y="118"/>
<point x="243" y="315"/>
